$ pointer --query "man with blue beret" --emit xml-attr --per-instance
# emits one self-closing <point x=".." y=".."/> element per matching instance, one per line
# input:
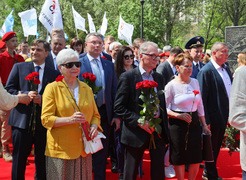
<point x="195" y="47"/>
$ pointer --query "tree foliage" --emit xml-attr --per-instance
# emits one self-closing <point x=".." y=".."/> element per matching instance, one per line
<point x="165" y="21"/>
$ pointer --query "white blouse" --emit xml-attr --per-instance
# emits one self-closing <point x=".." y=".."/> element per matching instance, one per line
<point x="180" y="97"/>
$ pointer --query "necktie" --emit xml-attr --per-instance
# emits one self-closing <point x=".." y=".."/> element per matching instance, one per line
<point x="197" y="66"/>
<point x="98" y="83"/>
<point x="223" y="66"/>
<point x="37" y="70"/>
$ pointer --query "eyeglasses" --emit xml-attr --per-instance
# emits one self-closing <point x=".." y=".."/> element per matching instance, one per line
<point x="127" y="57"/>
<point x="153" y="56"/>
<point x="96" y="43"/>
<point x="71" y="64"/>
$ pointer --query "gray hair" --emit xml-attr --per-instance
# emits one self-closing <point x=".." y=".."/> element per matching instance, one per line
<point x="93" y="34"/>
<point x="167" y="48"/>
<point x="144" y="47"/>
<point x="57" y="29"/>
<point x="111" y="46"/>
<point x="66" y="54"/>
<point x="217" y="46"/>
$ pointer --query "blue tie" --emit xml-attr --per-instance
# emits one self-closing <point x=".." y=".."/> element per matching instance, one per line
<point x="98" y="83"/>
<point x="37" y="70"/>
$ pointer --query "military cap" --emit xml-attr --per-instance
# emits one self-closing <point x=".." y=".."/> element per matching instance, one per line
<point x="2" y="45"/>
<point x="8" y="36"/>
<point x="194" y="42"/>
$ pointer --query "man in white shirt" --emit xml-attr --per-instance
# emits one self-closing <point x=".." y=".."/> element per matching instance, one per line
<point x="114" y="48"/>
<point x="215" y="82"/>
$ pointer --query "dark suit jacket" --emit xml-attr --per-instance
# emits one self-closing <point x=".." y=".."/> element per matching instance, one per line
<point x="110" y="82"/>
<point x="214" y="95"/>
<point x="104" y="54"/>
<point x="20" y="115"/>
<point x="195" y="70"/>
<point x="49" y="61"/>
<point x="127" y="107"/>
<point x="166" y="71"/>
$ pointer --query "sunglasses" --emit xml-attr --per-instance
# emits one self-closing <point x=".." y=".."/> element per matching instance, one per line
<point x="71" y="64"/>
<point x="128" y="57"/>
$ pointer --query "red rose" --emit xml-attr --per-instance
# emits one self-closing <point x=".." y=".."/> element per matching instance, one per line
<point x="139" y="85"/>
<point x="29" y="77"/>
<point x="146" y="84"/>
<point x="237" y="137"/>
<point x="35" y="74"/>
<point x="92" y="77"/>
<point x="36" y="81"/>
<point x="59" y="78"/>
<point x="85" y="75"/>
<point x="104" y="57"/>
<point x="195" y="92"/>
<point x="153" y="84"/>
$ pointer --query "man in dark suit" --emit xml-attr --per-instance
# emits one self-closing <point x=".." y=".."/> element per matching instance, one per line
<point x="58" y="43"/>
<point x="23" y="135"/>
<point x="215" y="81"/>
<point x="195" y="46"/>
<point x="92" y="62"/>
<point x="136" y="137"/>
<point x="167" y="69"/>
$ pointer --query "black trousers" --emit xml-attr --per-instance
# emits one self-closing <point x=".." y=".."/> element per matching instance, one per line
<point x="217" y="135"/>
<point x="133" y="157"/>
<point x="22" y="146"/>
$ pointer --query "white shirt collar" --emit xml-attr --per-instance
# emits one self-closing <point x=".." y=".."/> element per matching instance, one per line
<point x="142" y="71"/>
<point x="53" y="55"/>
<point x="216" y="66"/>
<point x="91" y="58"/>
<point x="41" y="66"/>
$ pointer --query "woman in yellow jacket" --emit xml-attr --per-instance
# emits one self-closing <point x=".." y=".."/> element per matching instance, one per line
<point x="66" y="104"/>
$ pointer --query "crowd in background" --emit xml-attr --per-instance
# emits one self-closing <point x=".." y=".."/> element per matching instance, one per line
<point x="63" y="106"/>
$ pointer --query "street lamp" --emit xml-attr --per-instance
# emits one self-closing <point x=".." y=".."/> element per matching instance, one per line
<point x="142" y="3"/>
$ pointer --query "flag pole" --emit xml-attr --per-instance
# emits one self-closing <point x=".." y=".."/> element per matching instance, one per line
<point x="27" y="38"/>
<point x="76" y="32"/>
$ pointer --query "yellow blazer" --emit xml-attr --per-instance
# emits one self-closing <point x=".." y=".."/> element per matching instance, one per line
<point x="66" y="142"/>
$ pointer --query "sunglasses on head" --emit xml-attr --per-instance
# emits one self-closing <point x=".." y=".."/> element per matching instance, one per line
<point x="71" y="64"/>
<point x="129" y="57"/>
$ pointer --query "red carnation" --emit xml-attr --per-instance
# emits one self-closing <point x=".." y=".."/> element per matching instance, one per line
<point x="237" y="137"/>
<point x="195" y="92"/>
<point x="36" y="81"/>
<point x="35" y="74"/>
<point x="29" y="77"/>
<point x="104" y="57"/>
<point x="146" y="84"/>
<point x="59" y="78"/>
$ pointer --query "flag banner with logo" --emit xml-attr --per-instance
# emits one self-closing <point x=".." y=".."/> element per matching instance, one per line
<point x="29" y="22"/>
<point x="125" y="31"/>
<point x="79" y="20"/>
<point x="8" y="24"/>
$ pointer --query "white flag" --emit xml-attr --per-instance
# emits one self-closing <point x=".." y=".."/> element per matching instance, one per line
<point x="79" y="21"/>
<point x="91" y="24"/>
<point x="125" y="31"/>
<point x="104" y="26"/>
<point x="50" y="15"/>
<point x="8" y="24"/>
<point x="29" y="22"/>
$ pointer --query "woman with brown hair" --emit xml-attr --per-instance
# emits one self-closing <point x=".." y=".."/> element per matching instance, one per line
<point x="186" y="118"/>
<point x="77" y="45"/>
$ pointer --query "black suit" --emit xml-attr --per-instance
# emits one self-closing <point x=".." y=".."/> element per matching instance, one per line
<point x="216" y="107"/>
<point x="133" y="137"/>
<point x="19" y="119"/>
<point x="49" y="62"/>
<point x="166" y="71"/>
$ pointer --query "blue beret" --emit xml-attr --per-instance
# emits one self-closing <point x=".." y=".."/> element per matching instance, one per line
<point x="196" y="41"/>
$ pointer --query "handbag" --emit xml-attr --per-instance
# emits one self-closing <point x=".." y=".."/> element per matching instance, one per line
<point x="94" y="145"/>
<point x="207" y="152"/>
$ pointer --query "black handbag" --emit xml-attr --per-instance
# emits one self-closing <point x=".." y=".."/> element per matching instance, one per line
<point x="207" y="152"/>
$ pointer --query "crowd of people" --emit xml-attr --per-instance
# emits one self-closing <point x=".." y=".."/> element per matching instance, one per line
<point x="49" y="117"/>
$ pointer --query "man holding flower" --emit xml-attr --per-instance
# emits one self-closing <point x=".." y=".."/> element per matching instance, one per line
<point x="139" y="133"/>
<point x="25" y="120"/>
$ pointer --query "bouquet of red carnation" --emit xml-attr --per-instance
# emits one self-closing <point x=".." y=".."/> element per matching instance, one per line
<point x="90" y="79"/>
<point x="231" y="139"/>
<point x="150" y="104"/>
<point x="34" y="81"/>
